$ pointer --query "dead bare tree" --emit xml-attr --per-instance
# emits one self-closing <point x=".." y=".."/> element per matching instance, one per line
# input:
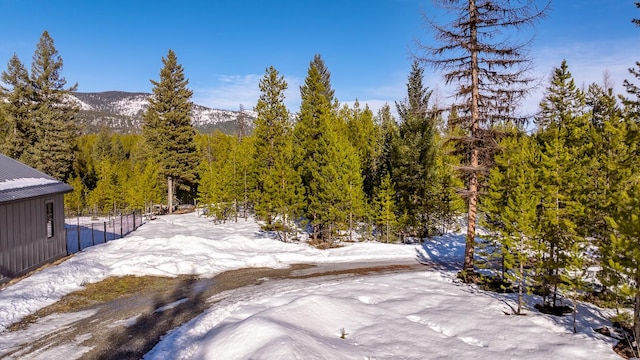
<point x="481" y="57"/>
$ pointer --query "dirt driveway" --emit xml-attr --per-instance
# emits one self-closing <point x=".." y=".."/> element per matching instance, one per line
<point x="128" y="326"/>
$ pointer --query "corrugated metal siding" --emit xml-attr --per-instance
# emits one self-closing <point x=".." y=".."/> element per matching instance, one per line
<point x="4" y="242"/>
<point x="24" y="245"/>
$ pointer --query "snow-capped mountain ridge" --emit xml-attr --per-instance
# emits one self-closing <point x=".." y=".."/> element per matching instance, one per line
<point x="122" y="111"/>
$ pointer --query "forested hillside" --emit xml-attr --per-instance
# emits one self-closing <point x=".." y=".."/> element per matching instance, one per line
<point x="122" y="112"/>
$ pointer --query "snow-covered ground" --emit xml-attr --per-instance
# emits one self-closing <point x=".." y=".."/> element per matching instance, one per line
<point x="418" y="315"/>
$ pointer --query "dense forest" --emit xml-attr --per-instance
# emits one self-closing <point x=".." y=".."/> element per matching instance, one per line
<point x="555" y="192"/>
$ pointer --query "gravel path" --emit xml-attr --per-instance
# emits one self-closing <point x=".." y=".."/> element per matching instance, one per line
<point x="129" y="326"/>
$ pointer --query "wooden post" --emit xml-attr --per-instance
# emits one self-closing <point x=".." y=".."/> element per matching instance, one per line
<point x="79" y="245"/>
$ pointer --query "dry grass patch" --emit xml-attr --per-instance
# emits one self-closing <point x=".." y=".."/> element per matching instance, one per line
<point x="101" y="292"/>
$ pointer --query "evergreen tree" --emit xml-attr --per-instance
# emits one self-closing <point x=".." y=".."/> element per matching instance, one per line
<point x="75" y="201"/>
<point x="562" y="126"/>
<point x="167" y="128"/>
<point x="325" y="79"/>
<point x="217" y="191"/>
<point x="314" y="136"/>
<point x="388" y="137"/>
<point x="143" y="188"/>
<point x="103" y="149"/>
<point x="605" y="168"/>
<point x="621" y="257"/>
<point x="510" y="207"/>
<point x="447" y="203"/>
<point x="632" y="102"/>
<point x="414" y="156"/>
<point x="17" y="133"/>
<point x="476" y="53"/>
<point x="624" y="257"/>
<point x="342" y="186"/>
<point x="109" y="192"/>
<point x="40" y="127"/>
<point x="363" y="135"/>
<point x="385" y="208"/>
<point x="328" y="164"/>
<point x="279" y="190"/>
<point x="54" y="116"/>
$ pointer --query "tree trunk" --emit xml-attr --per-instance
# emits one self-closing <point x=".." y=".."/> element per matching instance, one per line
<point x="636" y="311"/>
<point x="244" y="207"/>
<point x="170" y="194"/>
<point x="521" y="279"/>
<point x="468" y="265"/>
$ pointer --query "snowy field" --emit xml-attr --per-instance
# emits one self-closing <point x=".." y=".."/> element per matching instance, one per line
<point x="418" y="315"/>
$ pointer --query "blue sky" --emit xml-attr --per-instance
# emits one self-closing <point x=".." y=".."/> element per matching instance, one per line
<point x="225" y="46"/>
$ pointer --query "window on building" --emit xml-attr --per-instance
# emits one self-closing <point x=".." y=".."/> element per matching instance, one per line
<point x="49" y="205"/>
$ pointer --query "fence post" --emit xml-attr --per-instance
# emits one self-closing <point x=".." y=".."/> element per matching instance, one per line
<point x="121" y="226"/>
<point x="93" y="240"/>
<point x="105" y="231"/>
<point x="79" y="245"/>
<point x="134" y="220"/>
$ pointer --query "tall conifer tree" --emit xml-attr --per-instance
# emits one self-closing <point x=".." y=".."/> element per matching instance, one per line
<point x="510" y="207"/>
<point x="414" y="155"/>
<point x="54" y="115"/>
<point x="40" y="128"/>
<point x="327" y="163"/>
<point x="279" y="191"/>
<point x="167" y="127"/>
<point x="561" y="125"/>
<point x="490" y="71"/>
<point x="17" y="132"/>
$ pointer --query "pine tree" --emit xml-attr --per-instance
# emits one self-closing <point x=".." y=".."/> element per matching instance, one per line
<point x="510" y="207"/>
<point x="40" y="127"/>
<point x="476" y="54"/>
<point x="625" y="255"/>
<point x="54" y="116"/>
<point x="414" y="156"/>
<point x="562" y="125"/>
<point x="385" y="208"/>
<point x="325" y="79"/>
<point x="143" y="187"/>
<point x="342" y="185"/>
<point x="621" y="257"/>
<point x="217" y="187"/>
<point x="363" y="135"/>
<point x="315" y="136"/>
<point x="17" y="133"/>
<point x="607" y="173"/>
<point x="167" y="128"/>
<point x="278" y="195"/>
<point x="389" y="133"/>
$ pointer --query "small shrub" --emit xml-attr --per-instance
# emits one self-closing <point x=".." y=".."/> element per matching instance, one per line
<point x="484" y="282"/>
<point x="623" y="320"/>
<point x="323" y="244"/>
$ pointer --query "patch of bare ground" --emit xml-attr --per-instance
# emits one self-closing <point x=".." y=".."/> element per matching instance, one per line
<point x="130" y="314"/>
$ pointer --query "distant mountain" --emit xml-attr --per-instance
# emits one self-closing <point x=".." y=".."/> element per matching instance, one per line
<point x="122" y="112"/>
